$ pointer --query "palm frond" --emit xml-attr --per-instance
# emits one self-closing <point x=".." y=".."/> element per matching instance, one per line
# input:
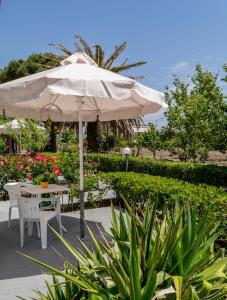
<point x="118" y="50"/>
<point x="99" y="55"/>
<point x="78" y="47"/>
<point x="62" y="48"/>
<point x="124" y="62"/>
<point x="86" y="48"/>
<point x="119" y="69"/>
<point x="56" y="59"/>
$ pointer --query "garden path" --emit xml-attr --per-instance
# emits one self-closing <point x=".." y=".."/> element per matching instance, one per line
<point x="18" y="276"/>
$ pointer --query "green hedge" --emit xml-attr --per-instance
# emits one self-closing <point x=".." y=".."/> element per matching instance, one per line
<point x="192" y="172"/>
<point x="141" y="187"/>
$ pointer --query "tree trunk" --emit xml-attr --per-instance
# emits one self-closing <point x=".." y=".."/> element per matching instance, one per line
<point x="53" y="137"/>
<point x="92" y="134"/>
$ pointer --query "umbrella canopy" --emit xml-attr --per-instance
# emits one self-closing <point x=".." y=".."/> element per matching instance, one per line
<point x="78" y="91"/>
<point x="55" y="93"/>
<point x="15" y="125"/>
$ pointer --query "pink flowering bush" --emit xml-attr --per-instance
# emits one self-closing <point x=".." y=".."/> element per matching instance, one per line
<point x="33" y="168"/>
<point x="24" y="167"/>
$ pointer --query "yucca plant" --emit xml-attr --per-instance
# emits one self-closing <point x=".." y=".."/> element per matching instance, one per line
<point x="185" y="249"/>
<point x="147" y="254"/>
<point x="59" y="290"/>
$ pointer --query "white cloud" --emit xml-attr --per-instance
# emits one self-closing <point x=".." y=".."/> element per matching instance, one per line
<point x="180" y="66"/>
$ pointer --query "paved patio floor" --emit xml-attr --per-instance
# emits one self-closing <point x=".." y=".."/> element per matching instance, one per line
<point x="18" y="276"/>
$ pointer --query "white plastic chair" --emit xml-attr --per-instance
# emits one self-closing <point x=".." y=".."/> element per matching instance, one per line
<point x="13" y="189"/>
<point x="30" y="210"/>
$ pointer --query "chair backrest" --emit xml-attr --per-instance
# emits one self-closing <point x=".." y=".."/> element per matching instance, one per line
<point x="13" y="189"/>
<point x="32" y="208"/>
<point x="29" y="208"/>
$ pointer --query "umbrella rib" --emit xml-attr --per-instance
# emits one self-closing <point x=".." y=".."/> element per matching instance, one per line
<point x="106" y="89"/>
<point x="30" y="88"/>
<point x="96" y="104"/>
<point x="51" y="104"/>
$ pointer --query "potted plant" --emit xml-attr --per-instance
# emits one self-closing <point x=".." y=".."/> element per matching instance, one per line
<point x="44" y="179"/>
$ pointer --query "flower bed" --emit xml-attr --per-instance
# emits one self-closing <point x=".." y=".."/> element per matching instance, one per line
<point x="26" y="167"/>
<point x="47" y="167"/>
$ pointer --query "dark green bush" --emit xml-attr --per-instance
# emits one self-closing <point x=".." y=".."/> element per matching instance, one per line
<point x="141" y="187"/>
<point x="192" y="172"/>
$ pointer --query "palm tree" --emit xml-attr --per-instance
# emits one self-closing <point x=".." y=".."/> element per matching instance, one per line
<point x="97" y="53"/>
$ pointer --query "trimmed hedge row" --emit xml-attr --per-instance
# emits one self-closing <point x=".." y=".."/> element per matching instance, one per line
<point x="192" y="172"/>
<point x="141" y="187"/>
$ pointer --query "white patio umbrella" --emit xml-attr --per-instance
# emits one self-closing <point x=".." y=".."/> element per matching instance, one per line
<point x="78" y="91"/>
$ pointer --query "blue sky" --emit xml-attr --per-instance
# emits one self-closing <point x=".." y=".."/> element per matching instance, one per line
<point x="173" y="36"/>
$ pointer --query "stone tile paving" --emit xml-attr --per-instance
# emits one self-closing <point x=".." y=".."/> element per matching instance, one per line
<point x="18" y="276"/>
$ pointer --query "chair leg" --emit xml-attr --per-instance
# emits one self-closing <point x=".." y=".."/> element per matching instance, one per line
<point x="22" y="233"/>
<point x="59" y="224"/>
<point x="38" y="229"/>
<point x="30" y="228"/>
<point x="10" y="212"/>
<point x="43" y="229"/>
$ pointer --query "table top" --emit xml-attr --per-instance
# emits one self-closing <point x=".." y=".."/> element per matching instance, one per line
<point x="37" y="190"/>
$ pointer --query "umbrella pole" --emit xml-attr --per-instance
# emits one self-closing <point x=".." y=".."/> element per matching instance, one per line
<point x="20" y="145"/>
<point x="82" y="234"/>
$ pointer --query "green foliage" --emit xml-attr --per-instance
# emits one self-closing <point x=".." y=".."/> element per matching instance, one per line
<point x="33" y="64"/>
<point x="33" y="138"/>
<point x="69" y="164"/>
<point x="187" y="171"/>
<point x="58" y="291"/>
<point x="3" y="147"/>
<point x="109" y="142"/>
<point x="151" y="139"/>
<point x="67" y="136"/>
<point x="196" y="116"/>
<point x="91" y="188"/>
<point x="140" y="187"/>
<point x="145" y="256"/>
<point x="45" y="177"/>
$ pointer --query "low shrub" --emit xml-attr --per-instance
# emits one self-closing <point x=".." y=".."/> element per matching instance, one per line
<point x="192" y="172"/>
<point x="69" y="164"/>
<point x="140" y="187"/>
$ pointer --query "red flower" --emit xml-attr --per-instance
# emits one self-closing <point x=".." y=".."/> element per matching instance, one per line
<point x="58" y="172"/>
<point x="30" y="177"/>
<point x="19" y="167"/>
<point x="90" y="161"/>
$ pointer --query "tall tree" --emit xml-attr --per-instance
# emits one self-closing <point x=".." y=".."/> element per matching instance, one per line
<point x="151" y="139"/>
<point x="196" y="116"/>
<point x="22" y="67"/>
<point x="97" y="53"/>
